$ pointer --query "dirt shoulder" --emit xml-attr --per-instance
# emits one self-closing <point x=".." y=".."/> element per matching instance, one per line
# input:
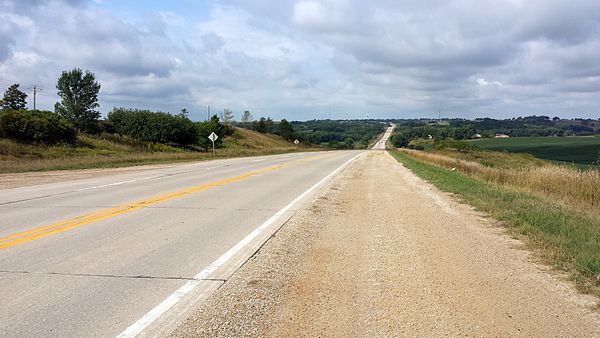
<point x="382" y="253"/>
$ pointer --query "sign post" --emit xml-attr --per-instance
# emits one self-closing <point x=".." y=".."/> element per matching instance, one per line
<point x="296" y="142"/>
<point x="213" y="137"/>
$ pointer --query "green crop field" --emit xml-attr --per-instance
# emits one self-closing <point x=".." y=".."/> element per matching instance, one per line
<point x="576" y="149"/>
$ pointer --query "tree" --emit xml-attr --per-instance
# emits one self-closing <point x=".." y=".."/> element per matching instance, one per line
<point x="260" y="125"/>
<point x="286" y="130"/>
<point x="157" y="127"/>
<point x="79" y="93"/>
<point x="463" y="132"/>
<point x="399" y="140"/>
<point x="264" y="125"/>
<point x="211" y="126"/>
<point x="36" y="126"/>
<point x="269" y="125"/>
<point x="227" y="116"/>
<point x="14" y="98"/>
<point x="246" y="118"/>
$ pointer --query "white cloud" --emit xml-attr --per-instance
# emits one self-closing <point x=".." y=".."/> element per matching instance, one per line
<point x="295" y="58"/>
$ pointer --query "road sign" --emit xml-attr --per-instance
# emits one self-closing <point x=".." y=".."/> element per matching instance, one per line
<point x="213" y="137"/>
<point x="296" y="142"/>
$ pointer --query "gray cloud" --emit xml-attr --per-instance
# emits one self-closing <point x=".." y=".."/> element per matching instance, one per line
<point x="295" y="58"/>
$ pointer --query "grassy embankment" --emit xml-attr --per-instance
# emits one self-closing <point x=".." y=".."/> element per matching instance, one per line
<point x="555" y="208"/>
<point x="96" y="152"/>
<point x="579" y="150"/>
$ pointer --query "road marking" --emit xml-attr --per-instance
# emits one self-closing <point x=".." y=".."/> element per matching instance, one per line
<point x="118" y="183"/>
<point x="139" y="326"/>
<point x="26" y="236"/>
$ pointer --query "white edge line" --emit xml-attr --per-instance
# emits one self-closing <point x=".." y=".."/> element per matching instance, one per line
<point x="139" y="326"/>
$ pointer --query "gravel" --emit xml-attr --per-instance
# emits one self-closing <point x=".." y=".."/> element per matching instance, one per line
<point x="382" y="253"/>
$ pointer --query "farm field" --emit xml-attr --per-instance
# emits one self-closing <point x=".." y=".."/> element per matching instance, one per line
<point x="581" y="150"/>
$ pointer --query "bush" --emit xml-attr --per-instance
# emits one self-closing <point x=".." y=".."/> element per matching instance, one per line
<point x="454" y="144"/>
<point x="157" y="127"/>
<point x="204" y="129"/>
<point x="399" y="140"/>
<point x="416" y="147"/>
<point x="36" y="126"/>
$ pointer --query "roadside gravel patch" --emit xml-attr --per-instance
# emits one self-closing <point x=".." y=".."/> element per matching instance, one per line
<point x="242" y="307"/>
<point x="382" y="253"/>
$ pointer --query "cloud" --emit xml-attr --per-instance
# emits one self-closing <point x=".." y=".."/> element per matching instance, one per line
<point x="295" y="58"/>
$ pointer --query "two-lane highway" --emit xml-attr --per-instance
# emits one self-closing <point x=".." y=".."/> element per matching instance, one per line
<point x="92" y="257"/>
<point x="380" y="145"/>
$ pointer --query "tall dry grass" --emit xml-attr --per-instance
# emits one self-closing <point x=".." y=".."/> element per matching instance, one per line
<point x="567" y="185"/>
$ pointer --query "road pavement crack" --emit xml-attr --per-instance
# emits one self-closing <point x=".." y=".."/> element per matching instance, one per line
<point x="102" y="275"/>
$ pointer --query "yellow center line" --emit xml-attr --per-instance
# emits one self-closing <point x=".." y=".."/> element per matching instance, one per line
<point x="26" y="236"/>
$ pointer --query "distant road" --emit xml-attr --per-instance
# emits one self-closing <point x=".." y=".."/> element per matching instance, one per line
<point x="380" y="145"/>
<point x="92" y="257"/>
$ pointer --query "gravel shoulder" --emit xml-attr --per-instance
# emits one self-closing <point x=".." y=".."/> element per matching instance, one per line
<point x="382" y="253"/>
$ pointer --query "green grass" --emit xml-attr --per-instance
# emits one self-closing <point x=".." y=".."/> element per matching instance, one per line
<point x="582" y="150"/>
<point x="563" y="237"/>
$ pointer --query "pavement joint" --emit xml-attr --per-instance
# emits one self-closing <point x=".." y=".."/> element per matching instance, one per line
<point x="100" y="275"/>
<point x="222" y="280"/>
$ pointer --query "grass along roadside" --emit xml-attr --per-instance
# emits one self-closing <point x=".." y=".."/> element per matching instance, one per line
<point x="560" y="183"/>
<point x="95" y="152"/>
<point x="561" y="235"/>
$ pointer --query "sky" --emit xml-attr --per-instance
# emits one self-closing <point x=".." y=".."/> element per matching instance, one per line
<point x="313" y="59"/>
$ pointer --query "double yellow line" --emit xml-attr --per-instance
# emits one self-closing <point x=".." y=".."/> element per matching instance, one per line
<point x="30" y="235"/>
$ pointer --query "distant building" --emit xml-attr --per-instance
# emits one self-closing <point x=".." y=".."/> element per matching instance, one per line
<point x="502" y="136"/>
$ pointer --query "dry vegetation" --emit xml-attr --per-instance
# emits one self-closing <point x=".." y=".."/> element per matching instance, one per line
<point x="568" y="185"/>
<point x="110" y="151"/>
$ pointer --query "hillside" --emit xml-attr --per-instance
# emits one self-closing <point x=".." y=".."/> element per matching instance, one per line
<point x="250" y="139"/>
<point x="111" y="150"/>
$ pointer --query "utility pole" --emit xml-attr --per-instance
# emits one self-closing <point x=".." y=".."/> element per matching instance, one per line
<point x="34" y="95"/>
<point x="208" y="113"/>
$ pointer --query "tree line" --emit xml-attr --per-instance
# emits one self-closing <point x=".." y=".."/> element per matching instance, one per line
<point x="77" y="112"/>
<point x="459" y="129"/>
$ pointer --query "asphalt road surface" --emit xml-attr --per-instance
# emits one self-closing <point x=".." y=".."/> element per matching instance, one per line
<point x="100" y="256"/>
<point x="380" y="145"/>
